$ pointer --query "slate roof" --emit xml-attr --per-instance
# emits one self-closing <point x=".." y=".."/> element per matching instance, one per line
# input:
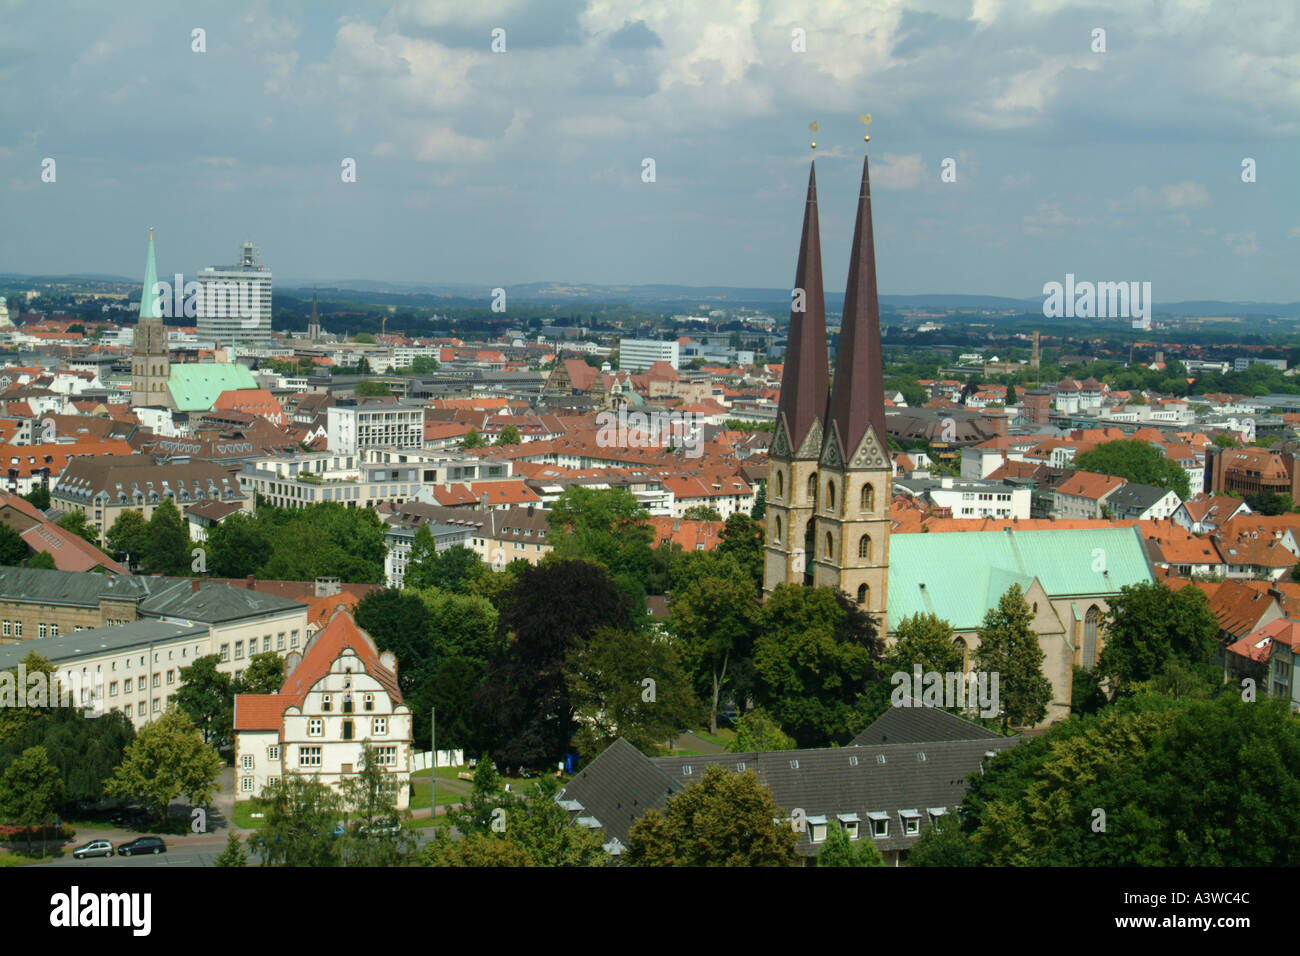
<point x="97" y="641"/>
<point x="72" y="588"/>
<point x="902" y="725"/>
<point x="1136" y="498"/>
<point x="213" y="603"/>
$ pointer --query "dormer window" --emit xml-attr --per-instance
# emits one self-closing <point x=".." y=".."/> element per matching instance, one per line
<point x="327" y="702"/>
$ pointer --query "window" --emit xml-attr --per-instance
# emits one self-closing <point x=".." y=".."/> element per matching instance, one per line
<point x="112" y="688"/>
<point x="272" y="781"/>
<point x="239" y="650"/>
<point x="54" y="630"/>
<point x="379" y="726"/>
<point x="247" y="761"/>
<point x="830" y="495"/>
<point x="879" y="825"/>
<point x="18" y="628"/>
<point x="347" y="730"/>
<point x="864" y="547"/>
<point x="868" y="498"/>
<point x="171" y="677"/>
<point x="246" y="784"/>
<point x="347" y="702"/>
<point x="911" y="822"/>
<point x="279" y="641"/>
<point x="780" y="484"/>
<point x="864" y="592"/>
<point x="830" y="544"/>
<point x="327" y="702"/>
<point x="315" y="727"/>
<point x="266" y="643"/>
<point x="156" y="705"/>
<point x="157" y="680"/>
<point x="309" y="756"/>
<point x="141" y="710"/>
<point x="370" y="701"/>
<point x="273" y="752"/>
<point x="386" y="756"/>
<point x="127" y="685"/>
<point x="776" y="539"/>
<point x="817" y="829"/>
<point x="849" y="824"/>
<point x="225" y="652"/>
<point x="293" y="638"/>
<point x="6" y="628"/>
<point x="41" y="630"/>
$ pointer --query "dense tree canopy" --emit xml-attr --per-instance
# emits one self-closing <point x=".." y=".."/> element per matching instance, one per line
<point x="1149" y="627"/>
<point x="1136" y="461"/>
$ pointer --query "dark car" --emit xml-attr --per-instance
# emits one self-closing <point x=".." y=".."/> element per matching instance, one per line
<point x="148" y="844"/>
<point x="93" y="848"/>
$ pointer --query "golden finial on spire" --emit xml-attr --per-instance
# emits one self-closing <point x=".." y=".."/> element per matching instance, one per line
<point x="151" y="233"/>
<point x="813" y="126"/>
<point x="865" y="120"/>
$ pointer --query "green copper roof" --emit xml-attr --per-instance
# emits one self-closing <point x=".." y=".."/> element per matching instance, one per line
<point x="961" y="574"/>
<point x="147" y="310"/>
<point x="195" y="386"/>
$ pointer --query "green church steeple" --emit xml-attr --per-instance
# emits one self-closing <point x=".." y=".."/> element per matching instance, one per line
<point x="147" y="310"/>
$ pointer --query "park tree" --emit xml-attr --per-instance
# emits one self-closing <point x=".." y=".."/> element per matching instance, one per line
<point x="206" y="696"/>
<point x="629" y="684"/>
<point x="31" y="791"/>
<point x="299" y="815"/>
<point x="608" y="526"/>
<point x="455" y="569"/>
<point x="1009" y="648"/>
<point x="264" y="675"/>
<point x="816" y="655"/>
<point x="1135" y="461"/>
<point x="942" y="843"/>
<point x="524" y="703"/>
<point x="714" y="611"/>
<point x="129" y="535"/>
<point x="1151" y="627"/>
<point x="839" y="850"/>
<point x="479" y="812"/>
<point x="21" y="706"/>
<point x="370" y="798"/>
<point x="83" y="749"/>
<point x="473" y="850"/>
<point x="167" y="544"/>
<point x="168" y="758"/>
<point x="723" y="819"/>
<point x="539" y="826"/>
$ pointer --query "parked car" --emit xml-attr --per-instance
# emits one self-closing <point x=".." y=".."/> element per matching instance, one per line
<point x="391" y="825"/>
<point x="93" y="848"/>
<point x="146" y="844"/>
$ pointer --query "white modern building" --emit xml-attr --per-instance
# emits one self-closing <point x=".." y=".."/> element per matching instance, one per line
<point x="354" y="428"/>
<point x="637" y="355"/>
<point x="229" y="293"/>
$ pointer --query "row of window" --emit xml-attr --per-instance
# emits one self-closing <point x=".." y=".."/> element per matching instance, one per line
<point x="378" y="727"/>
<point x="128" y="683"/>
<point x="266" y="645"/>
<point x="866" y="498"/>
<point x="849" y="823"/>
<point x="327" y="701"/>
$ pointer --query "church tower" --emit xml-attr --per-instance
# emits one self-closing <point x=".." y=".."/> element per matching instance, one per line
<point x="313" y="324"/>
<point x="792" y="485"/>
<point x="150" y="361"/>
<point x="855" y="473"/>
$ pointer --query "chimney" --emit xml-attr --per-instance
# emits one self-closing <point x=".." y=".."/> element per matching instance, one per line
<point x="250" y="582"/>
<point x="194" y="586"/>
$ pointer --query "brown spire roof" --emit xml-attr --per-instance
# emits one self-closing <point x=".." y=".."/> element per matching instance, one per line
<point x="805" y="379"/>
<point x="858" y="399"/>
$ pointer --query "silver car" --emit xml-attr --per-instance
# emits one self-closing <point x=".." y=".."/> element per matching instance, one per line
<point x="93" y="848"/>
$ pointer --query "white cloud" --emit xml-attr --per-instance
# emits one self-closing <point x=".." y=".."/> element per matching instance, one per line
<point x="898" y="172"/>
<point x="1183" y="195"/>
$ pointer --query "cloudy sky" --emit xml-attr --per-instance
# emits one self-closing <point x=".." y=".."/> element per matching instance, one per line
<point x="526" y="165"/>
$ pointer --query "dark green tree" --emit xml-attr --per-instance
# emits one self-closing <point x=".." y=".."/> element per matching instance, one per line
<point x="1009" y="648"/>
<point x="742" y="537"/>
<point x="1150" y="626"/>
<point x="75" y="521"/>
<point x="167" y="547"/>
<point x="13" y="550"/>
<point x="234" y="853"/>
<point x="839" y="850"/>
<point x="298" y="824"/>
<point x="238" y="546"/>
<point x="42" y="559"/>
<point x="207" y="697"/>
<point x="1135" y="461"/>
<point x="129" y="535"/>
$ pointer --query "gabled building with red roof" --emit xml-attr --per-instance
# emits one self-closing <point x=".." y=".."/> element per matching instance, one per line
<point x="1084" y="494"/>
<point x="340" y="694"/>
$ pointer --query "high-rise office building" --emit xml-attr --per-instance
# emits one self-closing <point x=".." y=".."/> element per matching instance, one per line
<point x="235" y="305"/>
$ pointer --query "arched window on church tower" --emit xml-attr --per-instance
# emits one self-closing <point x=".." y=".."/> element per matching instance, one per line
<point x="830" y="544"/>
<point x="868" y="498"/>
<point x="776" y="538"/>
<point x="780" y="484"/>
<point x="812" y="489"/>
<point x="830" y="494"/>
<point x="864" y="592"/>
<point x="864" y="547"/>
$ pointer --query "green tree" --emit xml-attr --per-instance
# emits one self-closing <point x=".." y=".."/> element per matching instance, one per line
<point x="42" y="559"/>
<point x="839" y="850"/>
<point x="167" y="547"/>
<point x="724" y="819"/>
<point x="299" y="816"/>
<point x="264" y="675"/>
<point x="21" y="706"/>
<point x="701" y="513"/>
<point x="455" y="569"/>
<point x="742" y="537"/>
<point x="129" y="535"/>
<point x="541" y="828"/>
<point x="370" y="797"/>
<point x="715" y="612"/>
<point x="472" y="439"/>
<point x="759" y="511"/>
<point x="369" y="389"/>
<point x="509" y="436"/>
<point x="31" y="791"/>
<point x="364" y="338"/>
<point x="756" y="730"/>
<point x="816" y="655"/>
<point x="474" y="849"/>
<point x="1225" y="440"/>
<point x="1149" y="627"/>
<point x="1011" y="395"/>
<point x="234" y="853"/>
<point x="167" y="758"/>
<point x="207" y="697"/>
<point x="75" y="521"/>
<point x="13" y="550"/>
<point x="84" y="749"/>
<point x="629" y="684"/>
<point x="1009" y="648"/>
<point x="1135" y="461"/>
<point x="942" y="843"/>
<point x="477" y="814"/>
<point x="608" y="526"/>
<point x="238" y="546"/>
<point x="40" y="497"/>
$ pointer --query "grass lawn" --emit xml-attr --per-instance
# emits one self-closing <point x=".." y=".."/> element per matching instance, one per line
<point x="722" y="738"/>
<point x="16" y="858"/>
<point x="243" y="814"/>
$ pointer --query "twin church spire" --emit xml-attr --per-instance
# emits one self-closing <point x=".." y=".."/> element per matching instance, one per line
<point x="829" y="474"/>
